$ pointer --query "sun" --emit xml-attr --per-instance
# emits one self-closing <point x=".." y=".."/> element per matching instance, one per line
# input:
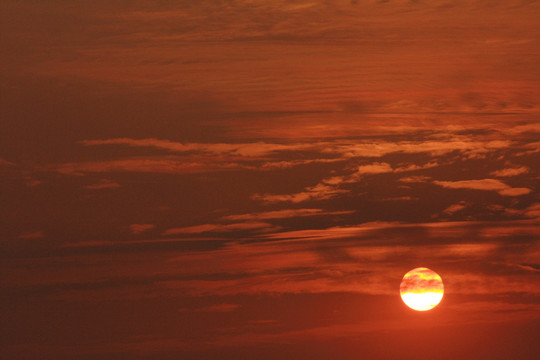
<point x="421" y="289"/>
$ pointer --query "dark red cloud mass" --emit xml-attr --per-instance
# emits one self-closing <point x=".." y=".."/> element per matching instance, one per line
<point x="251" y="179"/>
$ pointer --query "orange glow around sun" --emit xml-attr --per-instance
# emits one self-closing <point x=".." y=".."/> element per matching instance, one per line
<point x="421" y="289"/>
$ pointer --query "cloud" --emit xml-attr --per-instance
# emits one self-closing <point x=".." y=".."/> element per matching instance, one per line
<point x="33" y="182"/>
<point x="210" y="157"/>
<point x="378" y="149"/>
<point x="140" y="228"/>
<point x="334" y="232"/>
<point x="534" y="148"/>
<point x="527" y="128"/>
<point x="533" y="211"/>
<point x="104" y="184"/>
<point x="4" y="162"/>
<point x="302" y="263"/>
<point x="320" y="191"/>
<point x="282" y="214"/>
<point x="415" y="179"/>
<point x="243" y="149"/>
<point x="435" y="229"/>
<point x="382" y="168"/>
<point x="198" y="229"/>
<point x="484" y="184"/>
<point x="330" y="187"/>
<point x="149" y="244"/>
<point x="450" y="210"/>
<point x="239" y="152"/>
<point x="375" y="168"/>
<point x="31" y="235"/>
<point x="510" y="171"/>
<point x="220" y="308"/>
<point x="271" y="165"/>
<point x="165" y="164"/>
<point x="399" y="198"/>
<point x="369" y="270"/>
<point x="515" y="191"/>
<point x="413" y="167"/>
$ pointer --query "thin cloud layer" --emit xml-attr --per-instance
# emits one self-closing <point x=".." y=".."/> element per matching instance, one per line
<point x="484" y="184"/>
<point x="455" y="208"/>
<point x="104" y="184"/>
<point x="320" y="191"/>
<point x="31" y="235"/>
<point x="514" y="171"/>
<point x="197" y="229"/>
<point x="137" y="229"/>
<point x="166" y="164"/>
<point x="249" y="149"/>
<point x="285" y="213"/>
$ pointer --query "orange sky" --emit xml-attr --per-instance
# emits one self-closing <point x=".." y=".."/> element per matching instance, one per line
<point x="251" y="179"/>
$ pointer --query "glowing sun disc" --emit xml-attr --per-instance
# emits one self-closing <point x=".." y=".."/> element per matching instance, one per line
<point x="421" y="289"/>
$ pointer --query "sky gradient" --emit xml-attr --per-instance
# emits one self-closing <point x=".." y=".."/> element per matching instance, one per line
<point x="252" y="179"/>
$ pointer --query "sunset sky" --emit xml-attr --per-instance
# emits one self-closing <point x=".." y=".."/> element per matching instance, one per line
<point x="251" y="179"/>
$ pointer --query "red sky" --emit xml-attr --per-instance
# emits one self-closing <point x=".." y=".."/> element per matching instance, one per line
<point x="251" y="179"/>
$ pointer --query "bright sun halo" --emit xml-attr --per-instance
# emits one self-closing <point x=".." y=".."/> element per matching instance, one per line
<point x="421" y="289"/>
